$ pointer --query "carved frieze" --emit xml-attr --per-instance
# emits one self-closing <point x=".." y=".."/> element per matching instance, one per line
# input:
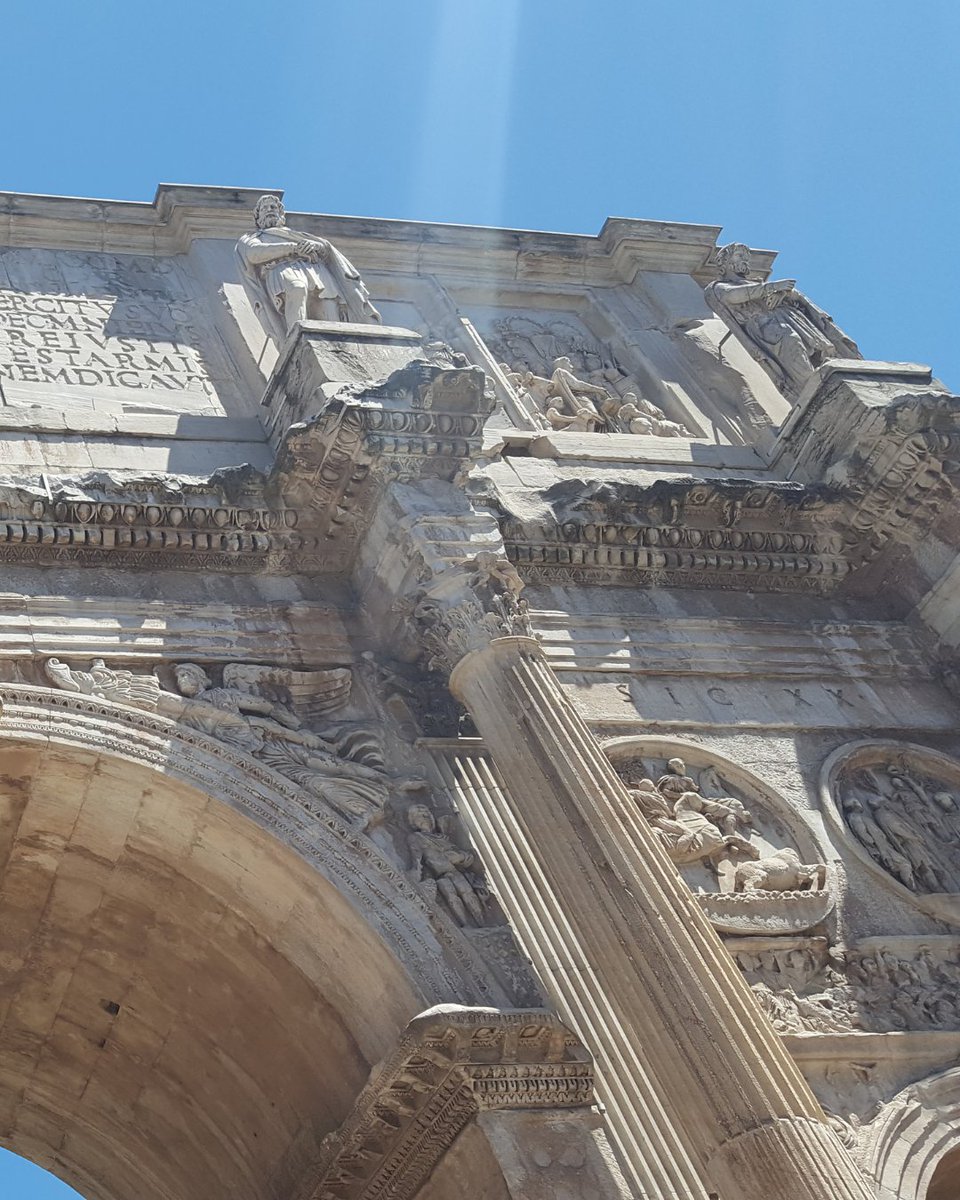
<point x="896" y="805"/>
<point x="877" y="985"/>
<point x="689" y="533"/>
<point x="346" y="425"/>
<point x="739" y="856"/>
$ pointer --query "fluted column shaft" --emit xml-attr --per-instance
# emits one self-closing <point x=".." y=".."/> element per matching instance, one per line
<point x="700" y="1092"/>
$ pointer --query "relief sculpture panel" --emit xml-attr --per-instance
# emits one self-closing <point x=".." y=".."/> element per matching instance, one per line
<point x="572" y="380"/>
<point x="749" y="870"/>
<point x="896" y="806"/>
<point x="877" y="985"/>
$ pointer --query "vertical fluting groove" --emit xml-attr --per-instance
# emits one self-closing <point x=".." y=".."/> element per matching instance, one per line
<point x="629" y="958"/>
<point x="661" y="1163"/>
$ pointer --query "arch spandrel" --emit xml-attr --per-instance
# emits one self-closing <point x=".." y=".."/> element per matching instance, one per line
<point x="188" y="1002"/>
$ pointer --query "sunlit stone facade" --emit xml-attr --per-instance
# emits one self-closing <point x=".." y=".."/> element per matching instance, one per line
<point x="477" y="716"/>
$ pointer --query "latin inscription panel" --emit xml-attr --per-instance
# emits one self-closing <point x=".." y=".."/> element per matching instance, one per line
<point x="123" y="328"/>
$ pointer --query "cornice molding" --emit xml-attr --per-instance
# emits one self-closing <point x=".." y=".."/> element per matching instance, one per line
<point x="180" y="214"/>
<point x="451" y="1064"/>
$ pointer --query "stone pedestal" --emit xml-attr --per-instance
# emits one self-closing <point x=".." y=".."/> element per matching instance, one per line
<point x="319" y="357"/>
<point x="701" y="1095"/>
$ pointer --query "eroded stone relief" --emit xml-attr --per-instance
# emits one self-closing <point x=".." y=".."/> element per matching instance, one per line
<point x="742" y="863"/>
<point x="805" y="986"/>
<point x="444" y="868"/>
<point x="265" y="712"/>
<point x="560" y="372"/>
<point x="781" y="327"/>
<point x="898" y="805"/>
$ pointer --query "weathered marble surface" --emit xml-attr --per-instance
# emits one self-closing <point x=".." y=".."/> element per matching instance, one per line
<point x="209" y="523"/>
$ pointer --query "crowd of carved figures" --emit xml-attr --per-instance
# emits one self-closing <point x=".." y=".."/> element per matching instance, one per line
<point x="807" y="988"/>
<point x="572" y="382"/>
<point x="268" y="712"/>
<point x="695" y="822"/>
<point x="907" y="822"/>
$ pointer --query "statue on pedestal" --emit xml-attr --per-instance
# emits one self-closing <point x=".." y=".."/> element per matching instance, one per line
<point x="292" y="276"/>
<point x="783" y="329"/>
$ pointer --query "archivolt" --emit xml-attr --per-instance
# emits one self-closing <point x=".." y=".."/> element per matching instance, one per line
<point x="902" y="1148"/>
<point x="439" y="960"/>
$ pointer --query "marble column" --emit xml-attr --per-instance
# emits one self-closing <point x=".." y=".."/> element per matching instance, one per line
<point x="701" y="1095"/>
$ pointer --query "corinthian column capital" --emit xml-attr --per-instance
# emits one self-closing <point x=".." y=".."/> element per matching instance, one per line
<point x="435" y="579"/>
<point x="448" y="632"/>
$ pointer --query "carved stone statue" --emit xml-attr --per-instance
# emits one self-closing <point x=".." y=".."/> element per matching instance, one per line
<point x="783" y="329"/>
<point x="292" y="276"/>
<point x="252" y="711"/>
<point x="638" y="415"/>
<point x="436" y="857"/>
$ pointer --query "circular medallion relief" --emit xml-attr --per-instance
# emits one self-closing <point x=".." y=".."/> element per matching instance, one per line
<point x="753" y="866"/>
<point x="897" y="806"/>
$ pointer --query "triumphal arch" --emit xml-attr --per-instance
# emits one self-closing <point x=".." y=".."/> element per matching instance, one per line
<point x="477" y="716"/>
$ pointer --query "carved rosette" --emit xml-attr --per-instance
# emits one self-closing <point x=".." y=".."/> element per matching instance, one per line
<point x="896" y="806"/>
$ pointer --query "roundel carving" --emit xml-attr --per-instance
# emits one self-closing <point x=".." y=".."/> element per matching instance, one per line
<point x="753" y="866"/>
<point x="897" y="805"/>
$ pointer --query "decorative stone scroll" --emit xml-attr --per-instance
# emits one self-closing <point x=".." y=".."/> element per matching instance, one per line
<point x="897" y="805"/>
<point x="265" y="712"/>
<point x="743" y="864"/>
<point x="452" y="1063"/>
<point x="493" y="607"/>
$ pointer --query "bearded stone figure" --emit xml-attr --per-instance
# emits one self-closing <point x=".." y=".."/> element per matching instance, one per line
<point x="291" y="276"/>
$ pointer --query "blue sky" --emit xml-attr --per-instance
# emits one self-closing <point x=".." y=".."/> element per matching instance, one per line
<point x="827" y="130"/>
<point x="21" y="1180"/>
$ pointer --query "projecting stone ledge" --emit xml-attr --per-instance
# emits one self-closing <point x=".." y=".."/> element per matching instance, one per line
<point x="353" y="406"/>
<point x="454" y="1066"/>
